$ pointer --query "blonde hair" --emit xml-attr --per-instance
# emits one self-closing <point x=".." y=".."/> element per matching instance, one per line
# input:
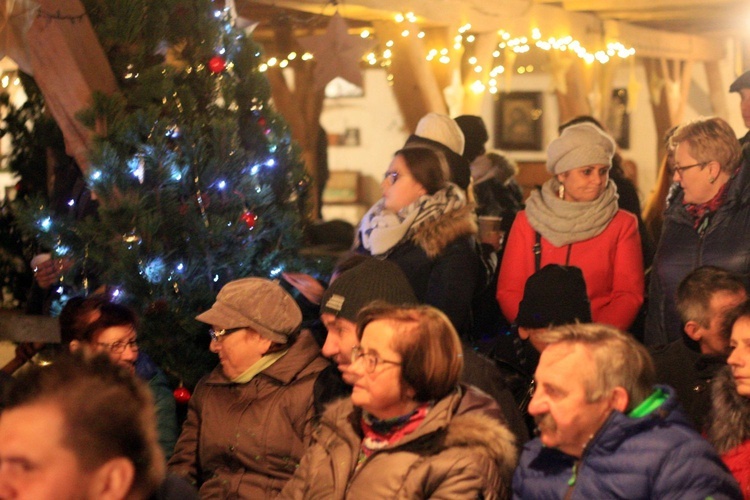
<point x="710" y="139"/>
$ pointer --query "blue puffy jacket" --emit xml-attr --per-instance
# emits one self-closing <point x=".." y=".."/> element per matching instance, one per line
<point x="724" y="243"/>
<point x="656" y="456"/>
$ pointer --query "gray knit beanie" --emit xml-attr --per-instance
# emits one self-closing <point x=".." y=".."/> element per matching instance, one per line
<point x="578" y="146"/>
<point x="372" y="280"/>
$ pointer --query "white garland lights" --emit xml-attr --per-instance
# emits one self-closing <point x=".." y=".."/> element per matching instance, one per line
<point x="441" y="55"/>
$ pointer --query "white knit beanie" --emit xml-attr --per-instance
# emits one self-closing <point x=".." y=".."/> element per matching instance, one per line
<point x="579" y="145"/>
<point x="442" y="129"/>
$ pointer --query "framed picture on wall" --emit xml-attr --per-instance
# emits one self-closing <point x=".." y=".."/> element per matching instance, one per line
<point x="518" y="121"/>
<point x="619" y="118"/>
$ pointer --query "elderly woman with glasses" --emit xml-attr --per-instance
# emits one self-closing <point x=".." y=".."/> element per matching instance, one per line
<point x="97" y="325"/>
<point x="424" y="224"/>
<point x="409" y="430"/>
<point x="706" y="222"/>
<point x="250" y="420"/>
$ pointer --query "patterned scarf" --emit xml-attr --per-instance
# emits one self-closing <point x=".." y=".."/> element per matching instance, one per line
<point x="380" y="433"/>
<point x="701" y="212"/>
<point x="381" y="229"/>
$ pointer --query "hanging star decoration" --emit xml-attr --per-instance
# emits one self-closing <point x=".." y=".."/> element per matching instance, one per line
<point x="243" y="23"/>
<point x="16" y="17"/>
<point x="336" y="53"/>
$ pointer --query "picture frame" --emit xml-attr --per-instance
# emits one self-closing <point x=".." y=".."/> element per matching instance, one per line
<point x="518" y="121"/>
<point x="619" y="118"/>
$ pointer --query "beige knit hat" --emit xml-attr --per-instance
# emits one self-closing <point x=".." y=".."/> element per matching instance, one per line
<point x="442" y="129"/>
<point x="578" y="146"/>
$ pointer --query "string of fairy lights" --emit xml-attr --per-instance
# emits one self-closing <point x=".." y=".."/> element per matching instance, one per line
<point x="462" y="42"/>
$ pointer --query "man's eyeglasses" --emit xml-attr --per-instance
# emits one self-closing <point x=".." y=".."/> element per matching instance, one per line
<point x="369" y="359"/>
<point x="392" y="176"/>
<point x="119" y="346"/>
<point x="216" y="335"/>
<point x="679" y="170"/>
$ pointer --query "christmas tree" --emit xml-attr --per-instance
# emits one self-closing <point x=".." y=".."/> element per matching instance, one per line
<point x="196" y="178"/>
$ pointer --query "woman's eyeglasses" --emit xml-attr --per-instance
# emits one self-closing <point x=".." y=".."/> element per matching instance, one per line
<point x="679" y="170"/>
<point x="120" y="346"/>
<point x="369" y="359"/>
<point x="216" y="335"/>
<point x="392" y="176"/>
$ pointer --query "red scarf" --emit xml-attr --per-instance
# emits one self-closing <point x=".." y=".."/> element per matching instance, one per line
<point x="380" y="433"/>
<point x="702" y="211"/>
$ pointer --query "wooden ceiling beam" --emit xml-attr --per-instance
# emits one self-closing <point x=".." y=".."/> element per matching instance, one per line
<point x="549" y="19"/>
<point x="703" y="14"/>
<point x="643" y="5"/>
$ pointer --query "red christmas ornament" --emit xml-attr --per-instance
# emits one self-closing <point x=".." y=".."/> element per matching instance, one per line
<point x="181" y="395"/>
<point x="262" y="121"/>
<point x="249" y="219"/>
<point x="217" y="64"/>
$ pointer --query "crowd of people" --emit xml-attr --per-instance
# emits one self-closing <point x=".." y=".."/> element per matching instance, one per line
<point x="390" y="389"/>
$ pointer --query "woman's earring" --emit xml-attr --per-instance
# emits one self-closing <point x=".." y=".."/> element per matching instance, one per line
<point x="712" y="179"/>
<point x="561" y="192"/>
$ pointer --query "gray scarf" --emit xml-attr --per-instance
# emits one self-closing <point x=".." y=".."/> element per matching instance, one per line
<point x="564" y="222"/>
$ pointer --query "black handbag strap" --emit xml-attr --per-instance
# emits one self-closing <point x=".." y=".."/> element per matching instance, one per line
<point x="538" y="252"/>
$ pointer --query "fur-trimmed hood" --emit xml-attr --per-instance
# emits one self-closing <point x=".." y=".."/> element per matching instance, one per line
<point x="730" y="413"/>
<point x="433" y="236"/>
<point x="484" y="435"/>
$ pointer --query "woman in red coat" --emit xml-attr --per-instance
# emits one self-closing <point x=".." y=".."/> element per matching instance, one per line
<point x="580" y="224"/>
<point x="729" y="430"/>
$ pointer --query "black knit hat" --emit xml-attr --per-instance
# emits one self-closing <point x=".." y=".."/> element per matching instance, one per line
<point x="475" y="135"/>
<point x="742" y="82"/>
<point x="553" y="296"/>
<point x="372" y="280"/>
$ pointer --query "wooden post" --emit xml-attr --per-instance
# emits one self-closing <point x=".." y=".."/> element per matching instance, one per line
<point x="301" y="108"/>
<point x="414" y="84"/>
<point x="716" y="90"/>
<point x="69" y="65"/>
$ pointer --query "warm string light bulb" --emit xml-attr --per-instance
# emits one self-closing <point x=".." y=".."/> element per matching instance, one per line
<point x="518" y="44"/>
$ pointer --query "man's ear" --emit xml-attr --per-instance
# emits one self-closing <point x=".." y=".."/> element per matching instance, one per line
<point x="113" y="480"/>
<point x="74" y="345"/>
<point x="523" y="333"/>
<point x="620" y="399"/>
<point x="692" y="329"/>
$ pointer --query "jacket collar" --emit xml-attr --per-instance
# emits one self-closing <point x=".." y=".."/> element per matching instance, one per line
<point x="433" y="236"/>
<point x="295" y="362"/>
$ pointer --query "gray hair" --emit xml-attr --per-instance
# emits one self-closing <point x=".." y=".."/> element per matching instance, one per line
<point x="619" y="359"/>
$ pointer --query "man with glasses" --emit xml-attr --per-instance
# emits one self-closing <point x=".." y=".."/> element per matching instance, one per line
<point x="97" y="325"/>
<point x="250" y="420"/>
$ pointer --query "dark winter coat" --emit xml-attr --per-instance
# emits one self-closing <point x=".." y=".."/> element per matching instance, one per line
<point x="730" y="428"/>
<point x="246" y="440"/>
<point x="461" y="450"/>
<point x="656" y="456"/>
<point x="725" y="243"/>
<point x="500" y="200"/>
<point x="164" y="403"/>
<point x="443" y="266"/>
<point x="689" y="372"/>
